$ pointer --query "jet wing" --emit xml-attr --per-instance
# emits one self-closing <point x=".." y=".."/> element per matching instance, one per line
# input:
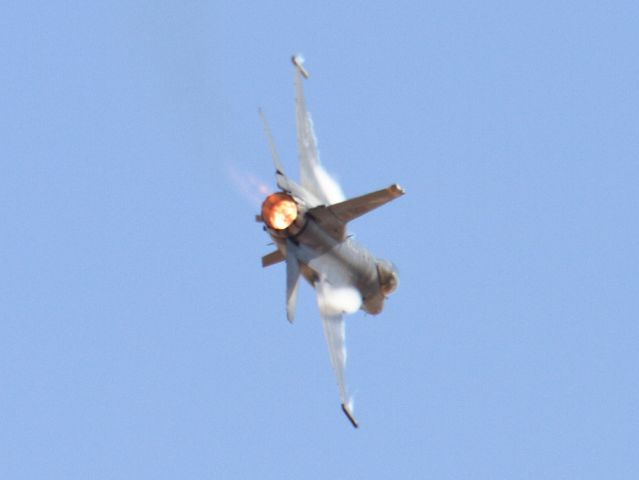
<point x="335" y="334"/>
<point x="312" y="175"/>
<point x="335" y="338"/>
<point x="333" y="301"/>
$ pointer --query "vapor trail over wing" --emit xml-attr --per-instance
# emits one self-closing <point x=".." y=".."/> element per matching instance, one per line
<point x="312" y="175"/>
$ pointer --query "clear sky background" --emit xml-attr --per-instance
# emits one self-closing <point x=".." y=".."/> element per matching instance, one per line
<point x="139" y="336"/>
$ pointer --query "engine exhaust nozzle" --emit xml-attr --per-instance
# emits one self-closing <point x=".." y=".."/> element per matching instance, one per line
<point x="279" y="211"/>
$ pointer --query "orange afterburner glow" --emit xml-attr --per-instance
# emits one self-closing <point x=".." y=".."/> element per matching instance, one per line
<point x="279" y="211"/>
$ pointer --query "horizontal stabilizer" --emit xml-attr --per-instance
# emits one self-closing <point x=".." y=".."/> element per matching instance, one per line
<point x="279" y="169"/>
<point x="356" y="207"/>
<point x="272" y="258"/>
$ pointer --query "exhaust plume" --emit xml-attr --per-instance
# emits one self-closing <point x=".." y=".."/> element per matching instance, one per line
<point x="248" y="185"/>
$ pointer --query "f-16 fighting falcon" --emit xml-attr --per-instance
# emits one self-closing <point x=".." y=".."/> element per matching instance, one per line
<point x="307" y="221"/>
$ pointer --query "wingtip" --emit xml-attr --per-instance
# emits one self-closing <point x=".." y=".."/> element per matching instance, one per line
<point x="298" y="62"/>
<point x="349" y="415"/>
<point x="397" y="189"/>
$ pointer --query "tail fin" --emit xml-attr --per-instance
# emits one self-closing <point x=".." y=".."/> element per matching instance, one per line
<point x="333" y="218"/>
<point x="356" y="207"/>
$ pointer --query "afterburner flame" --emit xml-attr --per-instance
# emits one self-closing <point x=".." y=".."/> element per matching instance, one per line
<point x="279" y="211"/>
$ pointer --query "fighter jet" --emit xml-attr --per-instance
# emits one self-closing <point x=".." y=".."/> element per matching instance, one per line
<point x="308" y="224"/>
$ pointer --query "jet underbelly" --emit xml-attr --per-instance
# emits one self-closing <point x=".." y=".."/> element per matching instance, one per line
<point x="347" y="264"/>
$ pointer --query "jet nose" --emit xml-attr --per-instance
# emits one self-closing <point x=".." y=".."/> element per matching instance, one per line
<point x="388" y="277"/>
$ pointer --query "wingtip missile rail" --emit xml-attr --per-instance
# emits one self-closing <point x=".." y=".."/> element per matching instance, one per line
<point x="349" y="415"/>
<point x="298" y="62"/>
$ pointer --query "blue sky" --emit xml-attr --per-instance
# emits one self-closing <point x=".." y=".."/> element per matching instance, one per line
<point x="139" y="336"/>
